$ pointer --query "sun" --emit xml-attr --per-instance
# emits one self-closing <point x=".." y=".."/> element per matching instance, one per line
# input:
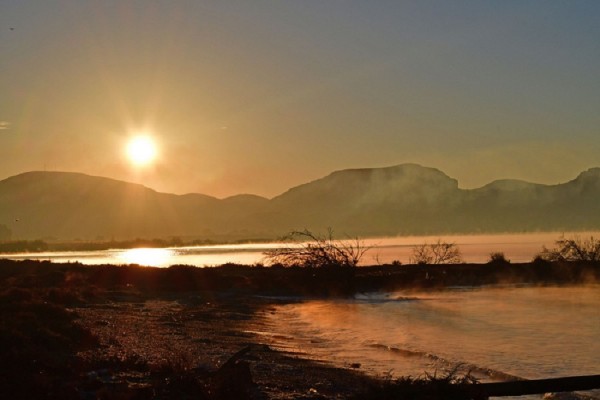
<point x="141" y="150"/>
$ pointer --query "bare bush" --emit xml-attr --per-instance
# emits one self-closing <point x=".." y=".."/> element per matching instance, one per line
<point x="312" y="250"/>
<point x="439" y="252"/>
<point x="573" y="249"/>
<point x="498" y="257"/>
<point x="449" y="386"/>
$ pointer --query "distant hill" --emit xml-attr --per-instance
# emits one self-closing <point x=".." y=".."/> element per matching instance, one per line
<point x="404" y="199"/>
<point x="71" y="205"/>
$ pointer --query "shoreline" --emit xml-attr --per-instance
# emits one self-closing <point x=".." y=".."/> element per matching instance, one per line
<point x="204" y="335"/>
<point x="77" y="332"/>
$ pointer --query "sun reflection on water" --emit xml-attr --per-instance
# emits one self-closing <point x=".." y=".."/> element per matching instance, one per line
<point x="146" y="256"/>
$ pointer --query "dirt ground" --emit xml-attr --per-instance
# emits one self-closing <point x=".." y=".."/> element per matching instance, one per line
<point x="199" y="335"/>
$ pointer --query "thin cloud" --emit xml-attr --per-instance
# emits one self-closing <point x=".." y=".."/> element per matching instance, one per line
<point x="4" y="125"/>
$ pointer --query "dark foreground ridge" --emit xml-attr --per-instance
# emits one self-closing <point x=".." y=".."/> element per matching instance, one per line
<point x="70" y="331"/>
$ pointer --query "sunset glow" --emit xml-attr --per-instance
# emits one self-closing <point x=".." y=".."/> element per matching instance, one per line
<point x="283" y="199"/>
<point x="248" y="92"/>
<point x="141" y="150"/>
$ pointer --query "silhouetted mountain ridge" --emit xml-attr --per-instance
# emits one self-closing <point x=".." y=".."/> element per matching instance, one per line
<point x="397" y="183"/>
<point x="402" y="199"/>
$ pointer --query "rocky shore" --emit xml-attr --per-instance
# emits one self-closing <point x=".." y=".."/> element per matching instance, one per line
<point x="205" y="339"/>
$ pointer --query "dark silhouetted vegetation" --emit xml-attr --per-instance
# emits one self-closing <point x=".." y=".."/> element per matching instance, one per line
<point x="498" y="258"/>
<point x="450" y="386"/>
<point x="439" y="252"/>
<point x="573" y="249"/>
<point x="312" y="250"/>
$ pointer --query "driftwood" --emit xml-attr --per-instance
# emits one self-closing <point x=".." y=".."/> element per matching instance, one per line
<point x="524" y="387"/>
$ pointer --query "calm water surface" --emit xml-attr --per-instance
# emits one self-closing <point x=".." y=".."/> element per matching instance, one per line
<point x="475" y="248"/>
<point x="497" y="333"/>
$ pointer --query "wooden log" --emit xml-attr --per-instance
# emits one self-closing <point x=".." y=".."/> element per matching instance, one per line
<point x="535" y="386"/>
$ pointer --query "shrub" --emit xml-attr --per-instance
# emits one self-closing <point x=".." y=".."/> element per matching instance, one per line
<point x="312" y="250"/>
<point x="539" y="259"/>
<point x="439" y="252"/>
<point x="573" y="249"/>
<point x="498" y="258"/>
<point x="450" y="386"/>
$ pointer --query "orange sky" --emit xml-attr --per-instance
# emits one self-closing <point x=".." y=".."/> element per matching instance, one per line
<point x="256" y="97"/>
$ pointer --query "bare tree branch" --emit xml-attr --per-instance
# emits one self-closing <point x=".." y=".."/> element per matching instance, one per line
<point x="311" y="250"/>
<point x="573" y="249"/>
<point x="436" y="253"/>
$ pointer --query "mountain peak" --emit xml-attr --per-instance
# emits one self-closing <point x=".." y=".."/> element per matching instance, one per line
<point x="394" y="170"/>
<point x="592" y="173"/>
<point x="372" y="185"/>
<point x="63" y="177"/>
<point x="402" y="177"/>
<point x="509" y="185"/>
<point x="589" y="179"/>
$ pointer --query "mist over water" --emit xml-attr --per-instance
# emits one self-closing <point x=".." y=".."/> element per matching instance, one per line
<point x="497" y="333"/>
<point x="474" y="248"/>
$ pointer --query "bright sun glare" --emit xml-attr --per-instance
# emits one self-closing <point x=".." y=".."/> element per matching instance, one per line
<point x="141" y="150"/>
<point x="147" y="257"/>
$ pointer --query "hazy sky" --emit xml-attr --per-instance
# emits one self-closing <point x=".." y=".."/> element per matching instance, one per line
<point x="258" y="96"/>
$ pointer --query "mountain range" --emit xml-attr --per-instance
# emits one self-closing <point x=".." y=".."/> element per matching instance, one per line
<point x="400" y="200"/>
